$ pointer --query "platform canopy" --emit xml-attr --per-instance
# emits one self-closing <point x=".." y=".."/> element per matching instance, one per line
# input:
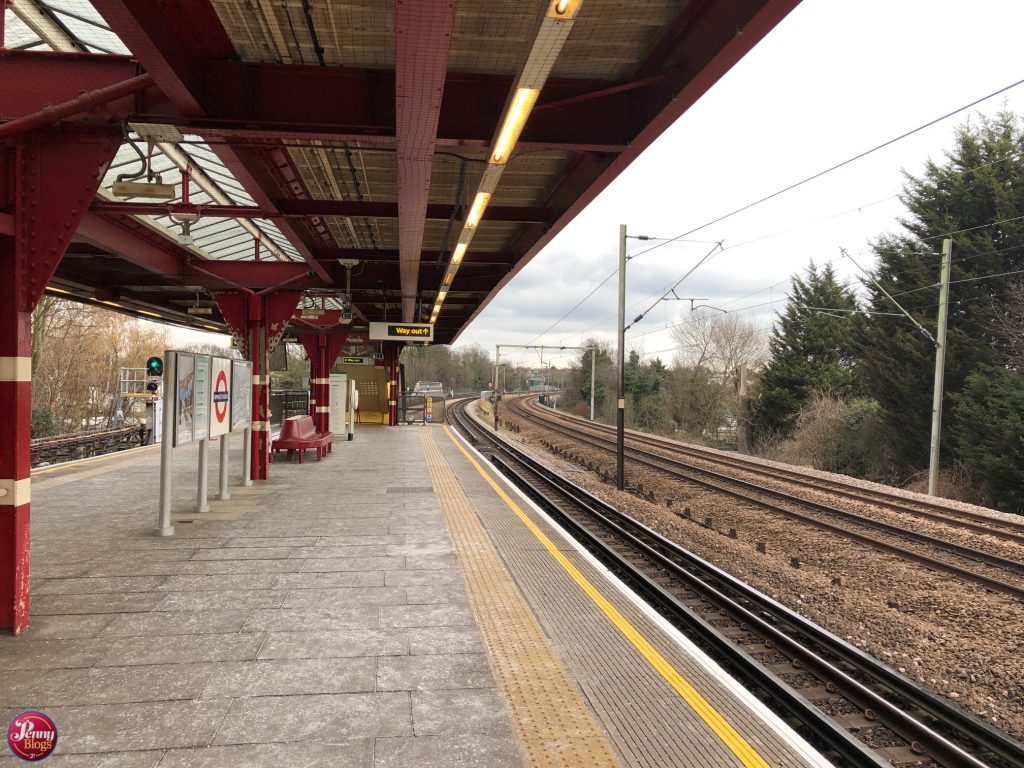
<point x="395" y="160"/>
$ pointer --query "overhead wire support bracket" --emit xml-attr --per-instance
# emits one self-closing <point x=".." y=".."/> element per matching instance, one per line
<point x="910" y="317"/>
<point x="672" y="289"/>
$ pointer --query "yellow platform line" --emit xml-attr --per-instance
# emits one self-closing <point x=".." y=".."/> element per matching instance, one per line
<point x="553" y="722"/>
<point x="739" y="746"/>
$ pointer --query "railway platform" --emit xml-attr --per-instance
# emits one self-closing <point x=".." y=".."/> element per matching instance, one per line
<point x="396" y="604"/>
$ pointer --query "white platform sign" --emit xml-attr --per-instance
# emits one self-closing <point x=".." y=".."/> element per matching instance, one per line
<point x="338" y="404"/>
<point x="220" y="399"/>
<point x="241" y="394"/>
<point x="201" y="419"/>
<point x="184" y="398"/>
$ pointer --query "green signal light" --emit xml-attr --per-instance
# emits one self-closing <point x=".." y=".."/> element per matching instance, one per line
<point x="155" y="366"/>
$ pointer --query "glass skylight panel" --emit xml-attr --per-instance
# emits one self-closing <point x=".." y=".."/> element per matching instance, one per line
<point x="17" y="34"/>
<point x="85" y="25"/>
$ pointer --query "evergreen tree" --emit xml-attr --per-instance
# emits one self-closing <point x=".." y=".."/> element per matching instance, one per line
<point x="809" y="352"/>
<point x="643" y="384"/>
<point x="972" y="196"/>
<point x="988" y="422"/>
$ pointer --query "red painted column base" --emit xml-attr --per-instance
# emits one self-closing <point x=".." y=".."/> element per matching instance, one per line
<point x="14" y="568"/>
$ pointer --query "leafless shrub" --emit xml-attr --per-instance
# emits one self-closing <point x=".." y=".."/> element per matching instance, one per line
<point x="816" y="439"/>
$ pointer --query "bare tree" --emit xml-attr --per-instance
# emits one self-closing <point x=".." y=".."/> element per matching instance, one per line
<point x="718" y="343"/>
<point x="77" y="358"/>
<point x="710" y="347"/>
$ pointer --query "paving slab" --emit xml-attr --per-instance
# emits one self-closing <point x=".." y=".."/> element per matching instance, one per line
<point x="285" y="677"/>
<point x="285" y="627"/>
<point x="351" y="754"/>
<point x="334" y="717"/>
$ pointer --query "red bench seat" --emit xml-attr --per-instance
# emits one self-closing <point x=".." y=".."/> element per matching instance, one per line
<point x="298" y="434"/>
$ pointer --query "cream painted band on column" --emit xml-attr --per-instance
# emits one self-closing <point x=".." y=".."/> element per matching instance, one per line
<point x="321" y="381"/>
<point x="322" y="409"/>
<point x="261" y="426"/>
<point x="15" y="369"/>
<point x="258" y="381"/>
<point x="14" y="493"/>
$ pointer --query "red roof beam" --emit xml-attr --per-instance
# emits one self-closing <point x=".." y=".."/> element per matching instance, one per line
<point x="36" y="80"/>
<point x="157" y="255"/>
<point x="176" y="43"/>
<point x="277" y="100"/>
<point x="423" y="33"/>
<point x="308" y="208"/>
<point x="81" y="103"/>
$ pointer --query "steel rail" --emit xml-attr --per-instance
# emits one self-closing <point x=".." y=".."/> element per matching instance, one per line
<point x="972" y="521"/>
<point x="682" y="471"/>
<point x="678" y="561"/>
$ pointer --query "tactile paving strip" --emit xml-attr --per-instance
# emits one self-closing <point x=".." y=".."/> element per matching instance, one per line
<point x="553" y="721"/>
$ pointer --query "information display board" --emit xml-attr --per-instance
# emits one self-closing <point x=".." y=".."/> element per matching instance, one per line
<point x="401" y="332"/>
<point x="201" y="417"/>
<point x="220" y="400"/>
<point x="241" y="394"/>
<point x="338" y="404"/>
<point x="184" y="398"/>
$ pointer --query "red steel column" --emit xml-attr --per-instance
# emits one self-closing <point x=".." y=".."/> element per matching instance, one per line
<point x="16" y="412"/>
<point x="391" y="358"/>
<point x="314" y="381"/>
<point x="323" y="399"/>
<point x="48" y="179"/>
<point x="257" y="338"/>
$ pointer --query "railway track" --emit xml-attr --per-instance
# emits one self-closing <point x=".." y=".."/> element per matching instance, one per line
<point x="968" y="563"/>
<point x="859" y="711"/>
<point x="1007" y="530"/>
<point x="60" y="448"/>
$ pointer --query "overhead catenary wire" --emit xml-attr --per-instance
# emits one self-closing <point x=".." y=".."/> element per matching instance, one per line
<point x="835" y="167"/>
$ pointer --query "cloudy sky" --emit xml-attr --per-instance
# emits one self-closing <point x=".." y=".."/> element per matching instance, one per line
<point x="834" y="79"/>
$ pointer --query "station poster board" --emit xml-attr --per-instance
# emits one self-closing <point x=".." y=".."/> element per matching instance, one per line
<point x="184" y="398"/>
<point x="241" y="394"/>
<point x="220" y="398"/>
<point x="201" y="418"/>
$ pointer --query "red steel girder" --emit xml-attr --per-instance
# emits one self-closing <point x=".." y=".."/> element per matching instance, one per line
<point x="84" y="102"/>
<point x="176" y="42"/>
<point x="313" y="209"/>
<point x="286" y="100"/>
<point x="257" y="275"/>
<point x="173" y="41"/>
<point x="56" y="174"/>
<point x="423" y="33"/>
<point x="134" y="243"/>
<point x="35" y="80"/>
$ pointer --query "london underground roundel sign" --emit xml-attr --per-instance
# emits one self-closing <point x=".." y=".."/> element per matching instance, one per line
<point x="220" y="397"/>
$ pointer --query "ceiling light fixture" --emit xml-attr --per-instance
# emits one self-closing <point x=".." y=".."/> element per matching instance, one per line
<point x="547" y="44"/>
<point x="476" y="212"/>
<point x="515" y="119"/>
<point x="563" y="10"/>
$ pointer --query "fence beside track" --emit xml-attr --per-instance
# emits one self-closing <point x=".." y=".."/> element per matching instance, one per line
<point x="61" y="448"/>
